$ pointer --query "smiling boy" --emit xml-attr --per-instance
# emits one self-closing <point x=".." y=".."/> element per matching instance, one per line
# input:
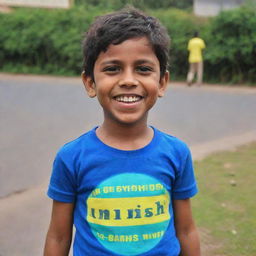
<point x="124" y="185"/>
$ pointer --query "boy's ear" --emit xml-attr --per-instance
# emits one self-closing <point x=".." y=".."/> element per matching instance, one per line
<point x="163" y="84"/>
<point x="89" y="85"/>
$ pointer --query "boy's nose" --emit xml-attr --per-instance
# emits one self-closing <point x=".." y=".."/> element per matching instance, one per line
<point x="128" y="79"/>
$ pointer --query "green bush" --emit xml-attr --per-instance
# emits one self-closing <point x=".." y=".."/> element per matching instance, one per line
<point x="231" y="46"/>
<point x="49" y="41"/>
<point x="45" y="40"/>
<point x="142" y="4"/>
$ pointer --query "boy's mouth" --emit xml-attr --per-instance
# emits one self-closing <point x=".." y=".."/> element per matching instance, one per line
<point x="128" y="98"/>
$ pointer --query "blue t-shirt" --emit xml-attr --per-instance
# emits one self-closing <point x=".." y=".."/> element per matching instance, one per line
<point x="123" y="199"/>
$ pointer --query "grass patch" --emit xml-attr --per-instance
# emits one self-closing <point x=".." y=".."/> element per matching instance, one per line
<point x="226" y="204"/>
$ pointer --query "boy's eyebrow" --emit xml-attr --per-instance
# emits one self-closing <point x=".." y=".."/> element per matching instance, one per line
<point x="143" y="61"/>
<point x="110" y="62"/>
<point x="138" y="62"/>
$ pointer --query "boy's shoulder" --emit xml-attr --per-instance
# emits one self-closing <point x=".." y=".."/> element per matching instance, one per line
<point x="75" y="146"/>
<point x="172" y="142"/>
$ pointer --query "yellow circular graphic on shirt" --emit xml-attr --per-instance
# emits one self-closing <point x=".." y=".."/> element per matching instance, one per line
<point x="129" y="213"/>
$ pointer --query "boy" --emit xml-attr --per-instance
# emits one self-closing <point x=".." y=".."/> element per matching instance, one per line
<point x="125" y="185"/>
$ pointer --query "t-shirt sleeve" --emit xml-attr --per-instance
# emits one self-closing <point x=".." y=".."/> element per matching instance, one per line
<point x="62" y="185"/>
<point x="185" y="183"/>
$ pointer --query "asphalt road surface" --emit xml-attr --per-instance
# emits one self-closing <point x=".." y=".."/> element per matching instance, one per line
<point x="40" y="114"/>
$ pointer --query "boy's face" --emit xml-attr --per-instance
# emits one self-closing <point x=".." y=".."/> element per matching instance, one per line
<point x="127" y="81"/>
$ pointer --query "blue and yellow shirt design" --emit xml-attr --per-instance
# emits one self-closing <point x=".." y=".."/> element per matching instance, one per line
<point x="129" y="213"/>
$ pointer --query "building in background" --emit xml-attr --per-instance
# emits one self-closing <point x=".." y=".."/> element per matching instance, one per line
<point x="213" y="7"/>
<point x="37" y="3"/>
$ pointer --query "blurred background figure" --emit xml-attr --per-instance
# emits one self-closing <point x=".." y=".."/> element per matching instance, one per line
<point x="195" y="47"/>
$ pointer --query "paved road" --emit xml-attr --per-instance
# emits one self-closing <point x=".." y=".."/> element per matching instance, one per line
<point x="39" y="114"/>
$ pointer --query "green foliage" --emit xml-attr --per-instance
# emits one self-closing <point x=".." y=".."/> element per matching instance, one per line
<point x="49" y="41"/>
<point x="142" y="4"/>
<point x="231" y="45"/>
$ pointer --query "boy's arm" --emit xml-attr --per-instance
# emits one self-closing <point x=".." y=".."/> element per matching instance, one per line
<point x="185" y="228"/>
<point x="59" y="235"/>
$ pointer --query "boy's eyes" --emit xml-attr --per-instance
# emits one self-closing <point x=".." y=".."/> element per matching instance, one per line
<point x="140" y="69"/>
<point x="144" y="69"/>
<point x="111" y="69"/>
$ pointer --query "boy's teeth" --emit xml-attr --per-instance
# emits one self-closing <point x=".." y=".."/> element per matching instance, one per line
<point x="127" y="98"/>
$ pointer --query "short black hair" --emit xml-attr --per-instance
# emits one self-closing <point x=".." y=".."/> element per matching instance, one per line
<point x="116" y="27"/>
<point x="196" y="34"/>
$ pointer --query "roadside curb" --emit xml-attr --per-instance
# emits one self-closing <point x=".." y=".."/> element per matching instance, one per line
<point x="230" y="143"/>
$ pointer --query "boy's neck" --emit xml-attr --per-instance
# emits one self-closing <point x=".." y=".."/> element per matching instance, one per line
<point x="125" y="137"/>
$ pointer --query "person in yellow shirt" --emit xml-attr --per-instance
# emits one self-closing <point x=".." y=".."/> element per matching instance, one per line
<point x="195" y="47"/>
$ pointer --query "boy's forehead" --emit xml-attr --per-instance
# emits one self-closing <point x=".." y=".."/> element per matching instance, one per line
<point x="138" y="46"/>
